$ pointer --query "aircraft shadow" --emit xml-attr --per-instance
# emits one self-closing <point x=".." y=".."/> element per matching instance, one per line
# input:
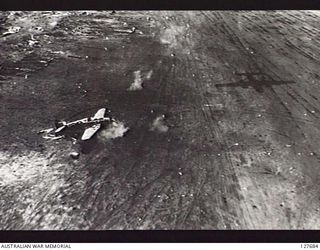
<point x="257" y="81"/>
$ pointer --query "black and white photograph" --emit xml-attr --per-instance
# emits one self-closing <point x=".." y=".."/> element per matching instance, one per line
<point x="154" y="119"/>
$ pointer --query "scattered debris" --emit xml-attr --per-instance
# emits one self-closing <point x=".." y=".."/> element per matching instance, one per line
<point x="158" y="125"/>
<point x="53" y="137"/>
<point x="129" y="31"/>
<point x="47" y="131"/>
<point x="137" y="84"/>
<point x="58" y="52"/>
<point x="33" y="42"/>
<point x="74" y="140"/>
<point x="139" y="32"/>
<point x="12" y="30"/>
<point x="66" y="54"/>
<point x="83" y="91"/>
<point x="75" y="155"/>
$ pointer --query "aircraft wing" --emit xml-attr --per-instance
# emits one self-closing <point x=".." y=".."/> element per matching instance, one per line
<point x="100" y="113"/>
<point x="89" y="132"/>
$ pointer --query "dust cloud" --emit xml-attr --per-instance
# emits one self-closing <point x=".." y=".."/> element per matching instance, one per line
<point x="114" y="130"/>
<point x="159" y="125"/>
<point x="139" y="79"/>
<point x="137" y="84"/>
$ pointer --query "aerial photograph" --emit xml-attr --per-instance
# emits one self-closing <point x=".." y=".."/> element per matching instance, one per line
<point x="144" y="120"/>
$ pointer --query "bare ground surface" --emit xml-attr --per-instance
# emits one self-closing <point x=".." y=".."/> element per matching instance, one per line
<point x="238" y="147"/>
